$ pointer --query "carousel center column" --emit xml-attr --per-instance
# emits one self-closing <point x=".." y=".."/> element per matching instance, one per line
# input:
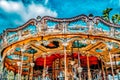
<point x="65" y="56"/>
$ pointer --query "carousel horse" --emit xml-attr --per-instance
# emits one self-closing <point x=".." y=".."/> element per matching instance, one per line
<point x="75" y="73"/>
<point x="45" y="74"/>
<point x="61" y="75"/>
<point x="110" y="77"/>
<point x="69" y="75"/>
<point x="99" y="75"/>
<point x="46" y="77"/>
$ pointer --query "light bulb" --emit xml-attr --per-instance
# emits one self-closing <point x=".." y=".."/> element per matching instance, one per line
<point x="65" y="44"/>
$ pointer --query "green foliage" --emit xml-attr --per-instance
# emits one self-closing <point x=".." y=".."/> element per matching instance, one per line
<point x="116" y="18"/>
<point x="106" y="13"/>
<point x="106" y="16"/>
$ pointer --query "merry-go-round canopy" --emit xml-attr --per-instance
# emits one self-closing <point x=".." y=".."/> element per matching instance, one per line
<point x="45" y="38"/>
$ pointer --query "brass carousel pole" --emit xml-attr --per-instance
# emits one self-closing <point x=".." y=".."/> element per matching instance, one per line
<point x="103" y="70"/>
<point x="22" y="56"/>
<point x="45" y="62"/>
<point x="32" y="66"/>
<point x="116" y="65"/>
<point x="65" y="58"/>
<point x="88" y="65"/>
<point x="109" y="48"/>
<point x="18" y="64"/>
<point x="111" y="65"/>
<point x="79" y="66"/>
<point x="44" y="69"/>
<point x="65" y="55"/>
<point x="72" y="61"/>
<point x="106" y="71"/>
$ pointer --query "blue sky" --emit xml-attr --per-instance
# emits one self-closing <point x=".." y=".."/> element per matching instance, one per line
<point x="14" y="13"/>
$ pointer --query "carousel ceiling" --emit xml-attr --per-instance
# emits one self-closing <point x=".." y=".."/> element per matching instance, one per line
<point x="46" y="38"/>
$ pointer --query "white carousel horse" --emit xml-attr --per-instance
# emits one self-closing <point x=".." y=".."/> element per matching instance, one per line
<point x="61" y="75"/>
<point x="75" y="72"/>
<point x="46" y="78"/>
<point x="45" y="74"/>
<point x="110" y="77"/>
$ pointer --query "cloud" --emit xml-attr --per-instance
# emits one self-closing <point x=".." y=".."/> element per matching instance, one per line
<point x="34" y="10"/>
<point x="26" y="12"/>
<point x="11" y="6"/>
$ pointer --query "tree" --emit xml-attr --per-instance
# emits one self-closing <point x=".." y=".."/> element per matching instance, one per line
<point x="106" y="13"/>
<point x="116" y="18"/>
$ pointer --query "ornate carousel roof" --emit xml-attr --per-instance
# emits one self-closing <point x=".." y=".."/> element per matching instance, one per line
<point x="47" y="36"/>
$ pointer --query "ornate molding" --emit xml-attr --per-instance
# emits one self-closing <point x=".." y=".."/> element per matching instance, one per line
<point x="97" y="18"/>
<point x="31" y="21"/>
<point x="42" y="24"/>
<point x="60" y="20"/>
<point x="65" y="19"/>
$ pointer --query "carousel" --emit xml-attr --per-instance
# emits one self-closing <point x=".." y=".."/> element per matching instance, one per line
<point x="78" y="48"/>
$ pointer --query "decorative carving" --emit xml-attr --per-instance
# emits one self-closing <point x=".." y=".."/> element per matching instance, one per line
<point x="26" y="32"/>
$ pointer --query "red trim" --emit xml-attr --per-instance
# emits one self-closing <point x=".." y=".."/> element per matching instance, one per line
<point x="49" y="59"/>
